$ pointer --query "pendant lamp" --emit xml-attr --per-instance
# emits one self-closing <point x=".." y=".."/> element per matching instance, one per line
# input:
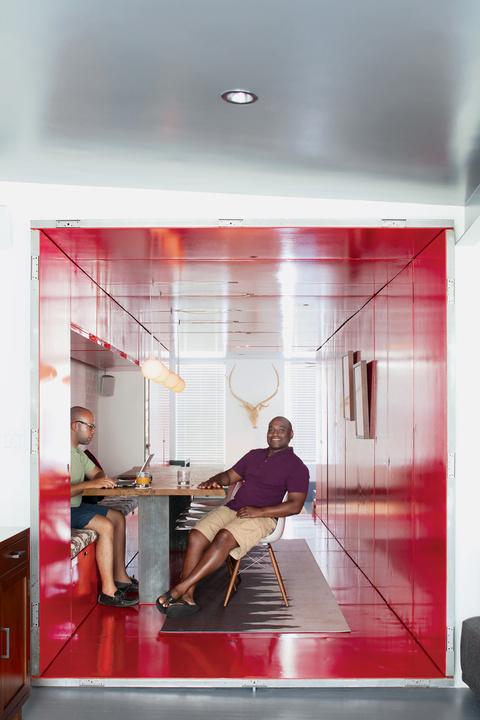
<point x="162" y="375"/>
<point x="153" y="368"/>
<point x="180" y="386"/>
<point x="171" y="380"/>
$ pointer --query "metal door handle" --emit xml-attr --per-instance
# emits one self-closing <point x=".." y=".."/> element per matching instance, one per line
<point x="7" y="649"/>
<point x="16" y="554"/>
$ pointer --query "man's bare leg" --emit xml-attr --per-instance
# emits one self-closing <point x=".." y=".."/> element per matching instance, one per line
<point x="104" y="555"/>
<point x="213" y="558"/>
<point x="117" y="519"/>
<point x="198" y="544"/>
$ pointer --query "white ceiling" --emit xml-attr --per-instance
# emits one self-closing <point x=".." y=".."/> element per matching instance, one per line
<point x="366" y="99"/>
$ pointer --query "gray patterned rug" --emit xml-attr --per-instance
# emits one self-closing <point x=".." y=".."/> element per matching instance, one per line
<point x="257" y="606"/>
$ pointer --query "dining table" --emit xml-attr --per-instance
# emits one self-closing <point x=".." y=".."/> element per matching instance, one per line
<point x="153" y="519"/>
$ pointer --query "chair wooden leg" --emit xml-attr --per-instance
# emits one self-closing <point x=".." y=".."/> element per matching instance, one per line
<point x="231" y="584"/>
<point x="278" y="574"/>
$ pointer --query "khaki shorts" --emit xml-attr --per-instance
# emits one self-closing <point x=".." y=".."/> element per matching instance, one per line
<point x="246" y="531"/>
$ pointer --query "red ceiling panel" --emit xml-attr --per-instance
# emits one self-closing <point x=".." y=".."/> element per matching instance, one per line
<point x="231" y="243"/>
<point x="228" y="288"/>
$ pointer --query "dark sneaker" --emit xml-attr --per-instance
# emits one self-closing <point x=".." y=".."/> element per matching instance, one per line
<point x="127" y="588"/>
<point x="118" y="600"/>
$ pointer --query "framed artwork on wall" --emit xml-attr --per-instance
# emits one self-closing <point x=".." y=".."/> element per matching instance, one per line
<point x="348" y="392"/>
<point x="362" y="415"/>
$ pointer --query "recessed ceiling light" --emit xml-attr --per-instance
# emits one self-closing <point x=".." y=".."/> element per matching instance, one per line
<point x="239" y="97"/>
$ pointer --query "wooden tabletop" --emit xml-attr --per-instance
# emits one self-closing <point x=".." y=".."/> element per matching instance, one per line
<point x="164" y="482"/>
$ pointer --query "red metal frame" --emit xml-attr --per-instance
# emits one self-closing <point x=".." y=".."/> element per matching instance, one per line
<point x="384" y="499"/>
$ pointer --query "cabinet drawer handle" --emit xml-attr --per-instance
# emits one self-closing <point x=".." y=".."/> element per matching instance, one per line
<point x="16" y="554"/>
<point x="7" y="649"/>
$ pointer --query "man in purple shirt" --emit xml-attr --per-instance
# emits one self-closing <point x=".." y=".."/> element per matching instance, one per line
<point x="274" y="484"/>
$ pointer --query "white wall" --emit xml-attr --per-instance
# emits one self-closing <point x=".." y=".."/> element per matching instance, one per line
<point x="467" y="500"/>
<point x="253" y="381"/>
<point x="84" y="391"/>
<point x="120" y="423"/>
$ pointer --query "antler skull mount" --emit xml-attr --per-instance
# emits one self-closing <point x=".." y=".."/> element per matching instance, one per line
<point x="254" y="410"/>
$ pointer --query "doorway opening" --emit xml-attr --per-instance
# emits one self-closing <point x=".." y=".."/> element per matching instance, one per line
<point x="253" y="297"/>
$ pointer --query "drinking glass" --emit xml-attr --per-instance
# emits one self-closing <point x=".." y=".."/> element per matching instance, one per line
<point x="183" y="477"/>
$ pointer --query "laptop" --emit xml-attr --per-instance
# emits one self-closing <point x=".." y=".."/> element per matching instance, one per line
<point x="128" y="479"/>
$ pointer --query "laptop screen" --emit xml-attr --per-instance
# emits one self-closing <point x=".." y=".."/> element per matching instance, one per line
<point x="133" y="475"/>
<point x="147" y="462"/>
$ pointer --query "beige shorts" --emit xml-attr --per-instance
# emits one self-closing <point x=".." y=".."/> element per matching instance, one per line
<point x="246" y="531"/>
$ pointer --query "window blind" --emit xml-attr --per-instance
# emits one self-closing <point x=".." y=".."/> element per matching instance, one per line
<point x="200" y="414"/>
<point x="301" y="390"/>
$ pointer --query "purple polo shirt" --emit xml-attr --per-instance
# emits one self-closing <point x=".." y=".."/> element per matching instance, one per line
<point x="266" y="478"/>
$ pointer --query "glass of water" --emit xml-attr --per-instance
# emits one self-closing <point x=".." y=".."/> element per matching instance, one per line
<point x="183" y="477"/>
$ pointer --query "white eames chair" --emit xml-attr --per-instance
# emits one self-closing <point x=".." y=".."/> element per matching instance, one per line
<point x="266" y="542"/>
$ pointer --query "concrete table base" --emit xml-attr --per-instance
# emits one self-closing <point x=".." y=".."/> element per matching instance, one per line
<point x="153" y="547"/>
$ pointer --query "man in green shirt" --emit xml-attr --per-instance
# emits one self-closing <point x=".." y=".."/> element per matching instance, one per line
<point x="117" y="586"/>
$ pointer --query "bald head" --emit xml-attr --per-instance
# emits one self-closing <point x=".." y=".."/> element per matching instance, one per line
<point x="82" y="425"/>
<point x="279" y="433"/>
<point x="283" y="420"/>
<point x="77" y="413"/>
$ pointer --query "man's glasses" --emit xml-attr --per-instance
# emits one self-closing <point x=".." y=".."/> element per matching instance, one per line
<point x="89" y="425"/>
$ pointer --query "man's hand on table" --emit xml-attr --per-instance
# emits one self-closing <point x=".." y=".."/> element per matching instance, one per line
<point x="210" y="484"/>
<point x="102" y="482"/>
<point x="249" y="512"/>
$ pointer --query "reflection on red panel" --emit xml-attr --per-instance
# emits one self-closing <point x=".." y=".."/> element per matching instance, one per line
<point x="335" y="270"/>
<point x="54" y="455"/>
<point x="96" y="316"/>
<point x="395" y="497"/>
<point x="231" y="243"/>
<point x="84" y="301"/>
<point x="384" y="498"/>
<point x="130" y="643"/>
<point x="429" y="476"/>
<point x="84" y="584"/>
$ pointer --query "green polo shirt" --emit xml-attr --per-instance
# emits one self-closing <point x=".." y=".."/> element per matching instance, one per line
<point x="80" y="464"/>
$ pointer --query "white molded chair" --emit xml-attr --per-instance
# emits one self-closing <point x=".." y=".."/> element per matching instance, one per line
<point x="266" y="542"/>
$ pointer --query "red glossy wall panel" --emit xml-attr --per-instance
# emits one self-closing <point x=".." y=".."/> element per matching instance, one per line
<point x="67" y="296"/>
<point x="196" y="243"/>
<point x="382" y="499"/>
<point x="339" y="450"/>
<point x="395" y="499"/>
<point x="84" y="581"/>
<point x="352" y="497"/>
<point x="430" y="448"/>
<point x="321" y="505"/>
<point x="331" y="442"/>
<point x="84" y="301"/>
<point x="94" y="313"/>
<point x="400" y="444"/>
<point x="364" y="451"/>
<point x="54" y="451"/>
